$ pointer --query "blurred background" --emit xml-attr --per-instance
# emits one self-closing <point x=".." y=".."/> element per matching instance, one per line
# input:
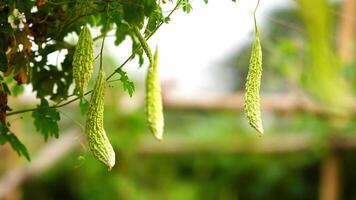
<point x="209" y="151"/>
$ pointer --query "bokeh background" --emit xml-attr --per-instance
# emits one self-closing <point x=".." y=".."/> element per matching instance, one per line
<point x="209" y="151"/>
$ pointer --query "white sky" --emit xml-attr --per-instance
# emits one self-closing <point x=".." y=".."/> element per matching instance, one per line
<point x="192" y="45"/>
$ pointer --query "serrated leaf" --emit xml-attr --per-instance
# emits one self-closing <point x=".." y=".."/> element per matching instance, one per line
<point x="83" y="105"/>
<point x="154" y="20"/>
<point x="186" y="6"/>
<point x="121" y="32"/>
<point x="127" y="84"/>
<point x="46" y="120"/>
<point x="16" y="144"/>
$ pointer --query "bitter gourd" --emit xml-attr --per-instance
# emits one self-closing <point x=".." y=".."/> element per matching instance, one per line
<point x="83" y="59"/>
<point x="98" y="141"/>
<point x="154" y="106"/>
<point x="252" y="93"/>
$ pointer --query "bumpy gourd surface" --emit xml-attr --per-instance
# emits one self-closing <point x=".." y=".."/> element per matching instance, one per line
<point x="83" y="60"/>
<point x="99" y="143"/>
<point x="252" y="94"/>
<point x="154" y="111"/>
<point x="144" y="44"/>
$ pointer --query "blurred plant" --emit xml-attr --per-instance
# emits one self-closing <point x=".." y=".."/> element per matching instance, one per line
<point x="322" y="75"/>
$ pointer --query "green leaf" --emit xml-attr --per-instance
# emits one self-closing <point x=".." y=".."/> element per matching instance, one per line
<point x="121" y="32"/>
<point x="154" y="20"/>
<point x="133" y="12"/>
<point x="16" y="144"/>
<point x="186" y="6"/>
<point x="127" y="84"/>
<point x="2" y="139"/>
<point x="84" y="105"/>
<point x="46" y="120"/>
<point x="17" y="89"/>
<point x="136" y="45"/>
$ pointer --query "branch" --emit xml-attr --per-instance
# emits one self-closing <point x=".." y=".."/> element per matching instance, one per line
<point x="267" y="144"/>
<point x="286" y="103"/>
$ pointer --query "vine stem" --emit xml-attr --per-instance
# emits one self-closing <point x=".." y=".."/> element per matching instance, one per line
<point x="70" y="118"/>
<point x="107" y="79"/>
<point x="102" y="49"/>
<point x="147" y="38"/>
<point x="254" y="17"/>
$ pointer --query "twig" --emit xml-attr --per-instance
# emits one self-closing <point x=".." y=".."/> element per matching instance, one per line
<point x="286" y="103"/>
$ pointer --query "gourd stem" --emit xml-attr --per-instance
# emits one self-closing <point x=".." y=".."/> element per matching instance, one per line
<point x="103" y="42"/>
<point x="254" y="17"/>
<point x="101" y="52"/>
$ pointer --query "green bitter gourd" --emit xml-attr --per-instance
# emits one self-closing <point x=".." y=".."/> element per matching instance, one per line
<point x="252" y="94"/>
<point x="83" y="59"/>
<point x="98" y="141"/>
<point x="154" y="110"/>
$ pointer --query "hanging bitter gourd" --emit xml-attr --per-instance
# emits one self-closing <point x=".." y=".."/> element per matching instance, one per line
<point x="143" y="43"/>
<point x="154" y="106"/>
<point x="83" y="59"/>
<point x="98" y="141"/>
<point x="252" y="93"/>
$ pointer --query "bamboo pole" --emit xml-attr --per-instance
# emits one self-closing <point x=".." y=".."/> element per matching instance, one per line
<point x="347" y="31"/>
<point x="330" y="186"/>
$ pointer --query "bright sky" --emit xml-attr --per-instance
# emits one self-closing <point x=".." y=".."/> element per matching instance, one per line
<point x="192" y="45"/>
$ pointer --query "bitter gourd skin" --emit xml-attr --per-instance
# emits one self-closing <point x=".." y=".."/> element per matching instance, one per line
<point x="154" y="108"/>
<point x="98" y="141"/>
<point x="83" y="59"/>
<point x="252" y="93"/>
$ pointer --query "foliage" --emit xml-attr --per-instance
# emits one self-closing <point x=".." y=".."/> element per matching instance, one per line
<point x="32" y="30"/>
<point x="127" y="84"/>
<point x="7" y="136"/>
<point x="83" y="105"/>
<point x="46" y="120"/>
